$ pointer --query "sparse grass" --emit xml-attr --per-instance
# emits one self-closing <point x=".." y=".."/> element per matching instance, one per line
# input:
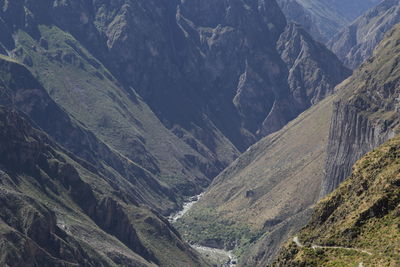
<point x="366" y="216"/>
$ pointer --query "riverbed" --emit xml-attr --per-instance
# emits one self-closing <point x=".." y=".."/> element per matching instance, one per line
<point x="186" y="207"/>
<point x="221" y="257"/>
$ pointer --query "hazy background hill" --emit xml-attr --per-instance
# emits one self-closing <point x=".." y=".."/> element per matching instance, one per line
<point x="356" y="42"/>
<point x="324" y="18"/>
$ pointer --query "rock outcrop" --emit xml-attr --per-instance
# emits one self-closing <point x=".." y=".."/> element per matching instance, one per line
<point x="266" y="195"/>
<point x="368" y="114"/>
<point x="57" y="211"/>
<point x="358" y="223"/>
<point x="197" y="64"/>
<point x="356" y="42"/>
<point x="310" y="78"/>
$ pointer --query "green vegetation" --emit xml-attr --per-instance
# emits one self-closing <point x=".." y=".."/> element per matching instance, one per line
<point x="206" y="228"/>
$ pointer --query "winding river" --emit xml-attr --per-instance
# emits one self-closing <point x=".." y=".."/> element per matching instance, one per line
<point x="223" y="258"/>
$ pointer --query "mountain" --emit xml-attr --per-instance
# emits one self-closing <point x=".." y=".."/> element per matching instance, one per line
<point x="368" y="116"/>
<point x="196" y="64"/>
<point x="359" y="222"/>
<point x="313" y="69"/>
<point x="356" y="42"/>
<point x="122" y="110"/>
<point x="58" y="209"/>
<point x="238" y="193"/>
<point x="267" y="194"/>
<point x="324" y="18"/>
<point x="22" y="91"/>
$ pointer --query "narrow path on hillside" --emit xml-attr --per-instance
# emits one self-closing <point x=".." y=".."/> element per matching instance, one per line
<point x="353" y="249"/>
<point x="299" y="244"/>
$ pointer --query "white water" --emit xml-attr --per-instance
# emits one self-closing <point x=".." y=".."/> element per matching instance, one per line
<point x="186" y="207"/>
<point x="227" y="258"/>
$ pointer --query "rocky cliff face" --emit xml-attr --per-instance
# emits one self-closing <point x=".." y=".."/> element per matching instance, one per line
<point x="58" y="210"/>
<point x="260" y="196"/>
<point x="150" y="100"/>
<point x="265" y="196"/>
<point x="358" y="223"/>
<point x="323" y="19"/>
<point x="356" y="42"/>
<point x="310" y="78"/>
<point x="197" y="65"/>
<point x="20" y="90"/>
<point x="367" y="115"/>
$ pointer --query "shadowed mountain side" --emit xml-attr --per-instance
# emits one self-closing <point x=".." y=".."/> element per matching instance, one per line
<point x="196" y="64"/>
<point x="19" y="89"/>
<point x="158" y="173"/>
<point x="266" y="190"/>
<point x="56" y="210"/>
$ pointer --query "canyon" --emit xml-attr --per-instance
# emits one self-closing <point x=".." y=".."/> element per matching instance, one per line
<point x="188" y="132"/>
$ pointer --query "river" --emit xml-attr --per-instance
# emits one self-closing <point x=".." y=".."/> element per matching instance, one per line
<point x="221" y="257"/>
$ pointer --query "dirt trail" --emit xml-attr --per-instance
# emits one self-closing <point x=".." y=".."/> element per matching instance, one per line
<point x="299" y="244"/>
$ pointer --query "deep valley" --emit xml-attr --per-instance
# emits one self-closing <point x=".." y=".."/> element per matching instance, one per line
<point x="191" y="133"/>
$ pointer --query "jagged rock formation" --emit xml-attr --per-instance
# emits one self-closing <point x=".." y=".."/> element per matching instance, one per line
<point x="356" y="42"/>
<point x="22" y="91"/>
<point x="368" y="114"/>
<point x="147" y="101"/>
<point x="324" y="18"/>
<point x="310" y="78"/>
<point x="197" y="64"/>
<point x="58" y="210"/>
<point x="265" y="195"/>
<point x="358" y="224"/>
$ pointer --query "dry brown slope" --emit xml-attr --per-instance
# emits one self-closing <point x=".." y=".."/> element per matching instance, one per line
<point x="362" y="215"/>
<point x="269" y="188"/>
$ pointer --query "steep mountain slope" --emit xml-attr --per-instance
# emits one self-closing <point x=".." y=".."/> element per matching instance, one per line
<point x="266" y="194"/>
<point x="356" y="42"/>
<point x="361" y="218"/>
<point x="57" y="210"/>
<point x="217" y="75"/>
<point x="197" y="64"/>
<point x="324" y="18"/>
<point x="20" y="90"/>
<point x="313" y="69"/>
<point x="368" y="116"/>
<point x="268" y="189"/>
